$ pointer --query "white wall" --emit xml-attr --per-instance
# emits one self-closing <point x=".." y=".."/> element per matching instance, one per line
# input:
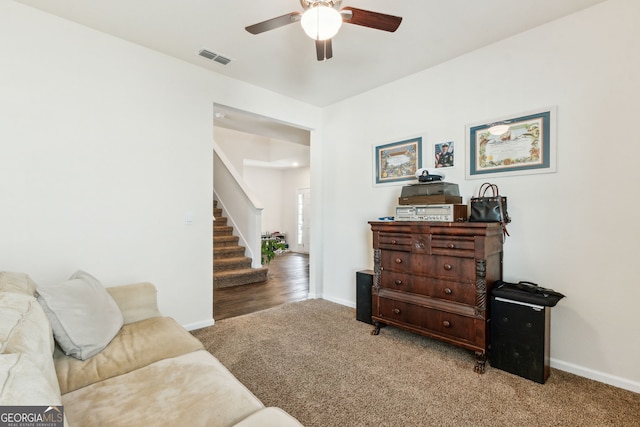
<point x="574" y="230"/>
<point x="277" y="190"/>
<point x="268" y="183"/>
<point x="105" y="146"/>
<point x="238" y="146"/>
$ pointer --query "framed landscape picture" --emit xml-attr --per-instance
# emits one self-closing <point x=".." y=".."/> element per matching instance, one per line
<point x="517" y="145"/>
<point x="397" y="162"/>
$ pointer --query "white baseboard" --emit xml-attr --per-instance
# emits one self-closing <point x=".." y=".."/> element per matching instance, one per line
<point x="596" y="375"/>
<point x="340" y="301"/>
<point x="199" y="325"/>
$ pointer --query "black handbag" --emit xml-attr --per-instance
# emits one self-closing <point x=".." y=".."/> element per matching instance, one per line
<point x="491" y="208"/>
<point x="526" y="292"/>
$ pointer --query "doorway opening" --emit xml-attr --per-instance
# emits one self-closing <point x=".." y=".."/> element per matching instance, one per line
<point x="273" y="161"/>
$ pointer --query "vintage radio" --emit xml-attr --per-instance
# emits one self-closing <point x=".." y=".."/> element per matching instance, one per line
<point x="437" y="213"/>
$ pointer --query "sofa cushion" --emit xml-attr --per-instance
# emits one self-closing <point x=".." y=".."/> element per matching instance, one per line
<point x="24" y="328"/>
<point x="193" y="390"/>
<point x="137" y="301"/>
<point x="135" y="346"/>
<point x="83" y="315"/>
<point x="23" y="384"/>
<point x="17" y="283"/>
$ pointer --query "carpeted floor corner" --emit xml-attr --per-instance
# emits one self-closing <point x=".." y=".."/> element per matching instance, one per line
<point x="316" y="361"/>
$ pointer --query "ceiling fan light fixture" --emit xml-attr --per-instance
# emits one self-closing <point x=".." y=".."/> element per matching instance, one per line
<point x="321" y="22"/>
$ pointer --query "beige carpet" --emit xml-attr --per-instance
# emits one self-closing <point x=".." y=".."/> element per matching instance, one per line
<point x="313" y="359"/>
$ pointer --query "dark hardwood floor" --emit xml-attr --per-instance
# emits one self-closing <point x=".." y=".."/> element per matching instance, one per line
<point x="288" y="281"/>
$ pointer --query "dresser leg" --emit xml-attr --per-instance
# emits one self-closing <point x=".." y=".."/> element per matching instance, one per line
<point x="376" y="329"/>
<point x="481" y="362"/>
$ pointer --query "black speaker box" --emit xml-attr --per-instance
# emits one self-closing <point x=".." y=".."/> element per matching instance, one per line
<point x="364" y="282"/>
<point x="520" y="338"/>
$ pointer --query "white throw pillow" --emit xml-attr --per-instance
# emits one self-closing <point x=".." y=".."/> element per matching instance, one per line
<point x="83" y="316"/>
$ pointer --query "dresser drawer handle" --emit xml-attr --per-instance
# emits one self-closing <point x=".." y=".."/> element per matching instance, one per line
<point x="394" y="242"/>
<point x="448" y="291"/>
<point x="446" y="324"/>
<point x="420" y="245"/>
<point x="448" y="267"/>
<point x="398" y="282"/>
<point x="396" y="310"/>
<point x="451" y="246"/>
<point x="398" y="261"/>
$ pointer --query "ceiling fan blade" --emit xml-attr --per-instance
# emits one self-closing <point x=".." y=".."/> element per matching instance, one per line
<point x="367" y="18"/>
<point x="273" y="23"/>
<point x="324" y="50"/>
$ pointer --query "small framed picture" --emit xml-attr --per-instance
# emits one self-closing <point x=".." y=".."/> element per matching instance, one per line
<point x="443" y="155"/>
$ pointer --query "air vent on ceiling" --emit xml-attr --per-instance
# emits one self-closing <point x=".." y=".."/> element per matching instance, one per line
<point x="214" y="56"/>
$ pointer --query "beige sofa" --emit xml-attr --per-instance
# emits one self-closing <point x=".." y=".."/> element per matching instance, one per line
<point x="152" y="373"/>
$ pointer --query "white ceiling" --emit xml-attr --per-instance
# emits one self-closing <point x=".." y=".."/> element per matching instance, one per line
<point x="283" y="60"/>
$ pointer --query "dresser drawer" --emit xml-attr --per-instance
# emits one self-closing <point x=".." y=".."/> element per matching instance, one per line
<point x="395" y="261"/>
<point x="448" y="290"/>
<point x="449" y="267"/>
<point x="436" y="321"/>
<point x="394" y="241"/>
<point x="453" y="245"/>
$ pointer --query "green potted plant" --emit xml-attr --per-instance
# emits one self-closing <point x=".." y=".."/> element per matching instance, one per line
<point x="270" y="247"/>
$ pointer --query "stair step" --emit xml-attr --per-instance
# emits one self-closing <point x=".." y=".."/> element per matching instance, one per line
<point x="222" y="230"/>
<point x="228" y="252"/>
<point x="219" y="241"/>
<point x="230" y="266"/>
<point x="221" y="221"/>
<point x="224" y="279"/>
<point x="226" y="264"/>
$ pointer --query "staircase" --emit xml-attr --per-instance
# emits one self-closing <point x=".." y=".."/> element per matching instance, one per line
<point x="230" y="266"/>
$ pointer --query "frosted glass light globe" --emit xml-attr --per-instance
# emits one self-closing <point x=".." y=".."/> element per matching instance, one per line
<point x="321" y="22"/>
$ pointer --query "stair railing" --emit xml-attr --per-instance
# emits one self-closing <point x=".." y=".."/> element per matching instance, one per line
<point x="242" y="208"/>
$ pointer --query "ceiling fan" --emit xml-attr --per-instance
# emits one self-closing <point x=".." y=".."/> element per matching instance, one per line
<point x="322" y="19"/>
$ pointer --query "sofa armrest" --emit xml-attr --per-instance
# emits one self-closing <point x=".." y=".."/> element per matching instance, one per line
<point x="137" y="301"/>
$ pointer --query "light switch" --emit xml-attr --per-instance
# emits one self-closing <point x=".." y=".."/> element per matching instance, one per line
<point x="188" y="218"/>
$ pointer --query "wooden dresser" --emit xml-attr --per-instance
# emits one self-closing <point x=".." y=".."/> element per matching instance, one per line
<point x="435" y="279"/>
